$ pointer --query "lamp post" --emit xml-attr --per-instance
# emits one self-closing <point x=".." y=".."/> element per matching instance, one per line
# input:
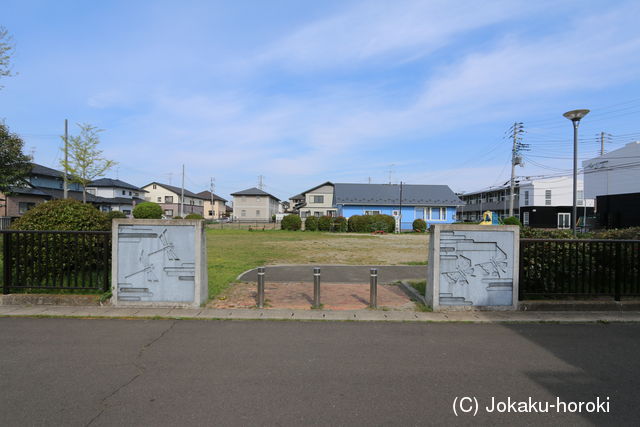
<point x="575" y="116"/>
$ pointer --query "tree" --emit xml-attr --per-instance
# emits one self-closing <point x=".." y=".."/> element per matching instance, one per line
<point x="6" y="50"/>
<point x="14" y="165"/>
<point x="85" y="160"/>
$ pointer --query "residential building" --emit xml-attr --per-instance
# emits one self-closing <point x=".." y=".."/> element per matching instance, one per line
<point x="613" y="179"/>
<point x="254" y="205"/>
<point x="433" y="203"/>
<point x="169" y="198"/>
<point x="540" y="203"/>
<point x="116" y="195"/>
<point x="214" y="205"/>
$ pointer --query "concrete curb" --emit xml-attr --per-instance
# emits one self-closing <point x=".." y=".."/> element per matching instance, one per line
<point x="412" y="292"/>
<point x="318" y="315"/>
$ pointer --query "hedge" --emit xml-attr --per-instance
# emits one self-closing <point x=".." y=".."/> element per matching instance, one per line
<point x="370" y="223"/>
<point x="291" y="222"/>
<point x="65" y="215"/>
<point x="325" y="223"/>
<point x="512" y="220"/>
<point x="148" y="210"/>
<point x="340" y="224"/>
<point x="311" y="224"/>
<point x="194" y="216"/>
<point x="419" y="225"/>
<point x="114" y="214"/>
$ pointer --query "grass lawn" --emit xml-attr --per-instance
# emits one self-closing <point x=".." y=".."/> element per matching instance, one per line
<point x="231" y="252"/>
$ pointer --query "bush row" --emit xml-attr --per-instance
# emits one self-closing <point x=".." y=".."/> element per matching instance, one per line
<point x="340" y="224"/>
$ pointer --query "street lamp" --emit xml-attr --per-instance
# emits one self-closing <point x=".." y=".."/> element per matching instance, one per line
<point x="575" y="116"/>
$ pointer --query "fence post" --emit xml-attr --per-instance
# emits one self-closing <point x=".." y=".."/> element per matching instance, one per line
<point x="618" y="276"/>
<point x="373" y="288"/>
<point x="261" y="287"/>
<point x="6" y="254"/>
<point x="316" y="287"/>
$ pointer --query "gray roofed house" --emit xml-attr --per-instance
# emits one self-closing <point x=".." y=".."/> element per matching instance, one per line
<point x="389" y="194"/>
<point x="177" y="190"/>
<point x="109" y="182"/>
<point x="253" y="191"/>
<point x="254" y="205"/>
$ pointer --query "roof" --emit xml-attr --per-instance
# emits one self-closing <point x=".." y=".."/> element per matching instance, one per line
<point x="253" y="191"/>
<point x="108" y="182"/>
<point x="178" y="190"/>
<point x="389" y="194"/>
<point x="207" y="195"/>
<point x="301" y="195"/>
<point x="37" y="169"/>
<point x="31" y="191"/>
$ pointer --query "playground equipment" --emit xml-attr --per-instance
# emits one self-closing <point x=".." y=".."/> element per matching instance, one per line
<point x="490" y="218"/>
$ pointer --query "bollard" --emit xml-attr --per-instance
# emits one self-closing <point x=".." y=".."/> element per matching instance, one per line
<point x="373" y="288"/>
<point x="260" y="287"/>
<point x="316" y="287"/>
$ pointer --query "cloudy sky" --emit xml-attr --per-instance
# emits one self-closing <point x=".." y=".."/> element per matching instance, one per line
<point x="304" y="92"/>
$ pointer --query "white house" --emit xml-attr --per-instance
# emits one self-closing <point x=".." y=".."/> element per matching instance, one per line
<point x="116" y="195"/>
<point x="254" y="205"/>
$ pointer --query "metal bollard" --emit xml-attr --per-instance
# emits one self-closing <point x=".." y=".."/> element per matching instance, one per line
<point x="316" y="287"/>
<point x="261" y="287"/>
<point x="373" y="288"/>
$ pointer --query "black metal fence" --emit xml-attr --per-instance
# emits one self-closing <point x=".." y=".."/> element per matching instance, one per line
<point x="56" y="260"/>
<point x="558" y="268"/>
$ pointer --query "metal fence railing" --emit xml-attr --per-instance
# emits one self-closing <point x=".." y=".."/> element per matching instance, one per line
<point x="55" y="260"/>
<point x="556" y="268"/>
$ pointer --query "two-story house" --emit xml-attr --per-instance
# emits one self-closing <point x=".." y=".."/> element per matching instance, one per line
<point x="116" y="195"/>
<point x="254" y="205"/>
<point x="317" y="201"/>
<point x="169" y="198"/>
<point x="214" y="205"/>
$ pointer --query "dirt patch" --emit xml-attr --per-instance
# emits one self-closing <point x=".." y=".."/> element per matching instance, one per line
<point x="389" y="249"/>
<point x="334" y="296"/>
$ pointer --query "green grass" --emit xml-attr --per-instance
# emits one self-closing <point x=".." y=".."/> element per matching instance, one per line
<point x="419" y="285"/>
<point x="232" y="252"/>
<point x="415" y="263"/>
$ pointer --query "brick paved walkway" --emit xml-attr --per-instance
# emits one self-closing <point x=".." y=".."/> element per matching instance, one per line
<point x="333" y="296"/>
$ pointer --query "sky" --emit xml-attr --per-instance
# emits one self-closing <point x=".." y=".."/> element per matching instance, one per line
<point x="302" y="92"/>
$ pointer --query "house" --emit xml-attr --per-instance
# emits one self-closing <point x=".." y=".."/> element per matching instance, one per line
<point x="116" y="195"/>
<point x="43" y="184"/>
<point x="432" y="203"/>
<point x="540" y="203"/>
<point x="214" y="205"/>
<point x="169" y="198"/>
<point x="613" y="179"/>
<point x="254" y="205"/>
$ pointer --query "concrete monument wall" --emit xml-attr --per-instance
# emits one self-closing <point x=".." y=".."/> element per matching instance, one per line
<point x="159" y="263"/>
<point x="473" y="267"/>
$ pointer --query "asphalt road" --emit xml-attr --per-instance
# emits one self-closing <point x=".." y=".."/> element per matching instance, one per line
<point x="337" y="273"/>
<point x="163" y="372"/>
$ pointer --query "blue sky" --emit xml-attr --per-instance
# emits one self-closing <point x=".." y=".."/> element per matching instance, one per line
<point x="303" y="92"/>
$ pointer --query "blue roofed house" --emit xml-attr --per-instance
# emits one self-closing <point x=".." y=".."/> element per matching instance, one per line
<point x="436" y="204"/>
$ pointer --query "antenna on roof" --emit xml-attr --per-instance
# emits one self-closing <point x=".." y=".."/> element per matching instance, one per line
<point x="260" y="182"/>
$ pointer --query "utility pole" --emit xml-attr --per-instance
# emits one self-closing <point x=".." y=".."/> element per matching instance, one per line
<point x="182" y="195"/>
<point x="66" y="158"/>
<point x="604" y="137"/>
<point x="516" y="130"/>
<point x="400" y="213"/>
<point x="260" y="182"/>
<point x="213" y="186"/>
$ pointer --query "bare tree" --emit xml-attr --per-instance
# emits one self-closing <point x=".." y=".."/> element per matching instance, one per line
<point x="85" y="162"/>
<point x="6" y="51"/>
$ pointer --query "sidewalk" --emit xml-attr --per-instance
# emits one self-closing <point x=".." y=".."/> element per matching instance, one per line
<point x="342" y="315"/>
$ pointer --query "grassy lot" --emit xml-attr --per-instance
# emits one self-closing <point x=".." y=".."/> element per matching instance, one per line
<point x="231" y="252"/>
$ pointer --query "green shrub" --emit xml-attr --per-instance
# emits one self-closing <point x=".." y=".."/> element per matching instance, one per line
<point x="340" y="224"/>
<point x="194" y="216"/>
<point x="354" y="223"/>
<point x="148" y="210"/>
<point x="176" y="217"/>
<point x="114" y="214"/>
<point x="63" y="215"/>
<point x="512" y="220"/>
<point x="311" y="223"/>
<point x="325" y="223"/>
<point x="542" y="233"/>
<point x="291" y="222"/>
<point x="385" y="223"/>
<point x="419" y="225"/>
<point x="632" y="233"/>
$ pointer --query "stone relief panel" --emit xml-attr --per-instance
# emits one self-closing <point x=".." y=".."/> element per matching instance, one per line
<point x="156" y="263"/>
<point x="476" y="268"/>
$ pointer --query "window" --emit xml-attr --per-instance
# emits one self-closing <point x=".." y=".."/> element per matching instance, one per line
<point x="257" y="198"/>
<point x="372" y="212"/>
<point x="168" y="212"/>
<point x="154" y="186"/>
<point x="331" y="213"/>
<point x="168" y="199"/>
<point x="129" y="192"/>
<point x="547" y="197"/>
<point x="159" y="199"/>
<point x="191" y="202"/>
<point x="564" y="220"/>
<point x="525" y="218"/>
<point x="244" y="198"/>
<point x="136" y="194"/>
<point x="318" y="199"/>
<point x="23" y="207"/>
<point x="526" y="197"/>
<point x="420" y="213"/>
<point x="243" y="213"/>
<point x="317" y="214"/>
<point x="126" y="212"/>
<point x="210" y="213"/>
<point x="437" y="214"/>
<point x="257" y="212"/>
<point x="200" y="202"/>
